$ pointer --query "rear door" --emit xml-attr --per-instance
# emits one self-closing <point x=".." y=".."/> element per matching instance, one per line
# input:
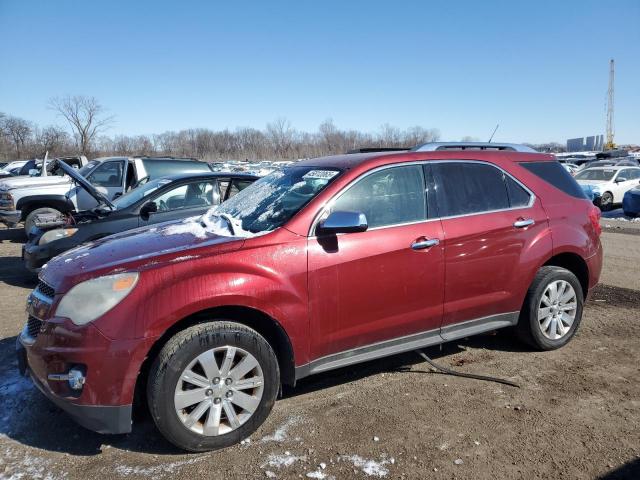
<point x="492" y="226"/>
<point x="374" y="286"/>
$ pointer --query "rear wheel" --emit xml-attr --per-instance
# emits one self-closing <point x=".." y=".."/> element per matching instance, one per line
<point x="552" y="309"/>
<point x="606" y="201"/>
<point x="30" y="221"/>
<point x="212" y="385"/>
<point x="630" y="214"/>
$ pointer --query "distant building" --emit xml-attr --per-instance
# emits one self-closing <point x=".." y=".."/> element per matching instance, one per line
<point x="593" y="143"/>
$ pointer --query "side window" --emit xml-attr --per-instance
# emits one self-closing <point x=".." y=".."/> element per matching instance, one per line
<point x="518" y="196"/>
<point x="237" y="186"/>
<point x="387" y="197"/>
<point x="466" y="188"/>
<point x="109" y="174"/>
<point x="191" y="195"/>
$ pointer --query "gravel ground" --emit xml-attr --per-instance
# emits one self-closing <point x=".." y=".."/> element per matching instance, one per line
<point x="576" y="415"/>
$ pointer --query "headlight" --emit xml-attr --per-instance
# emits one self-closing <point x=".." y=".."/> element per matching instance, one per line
<point x="88" y="300"/>
<point x="56" y="234"/>
<point x="6" y="201"/>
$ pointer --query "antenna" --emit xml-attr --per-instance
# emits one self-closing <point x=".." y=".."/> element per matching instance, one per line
<point x="494" y="132"/>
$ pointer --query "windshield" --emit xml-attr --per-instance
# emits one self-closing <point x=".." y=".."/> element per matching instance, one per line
<point x="594" y="174"/>
<point x="139" y="193"/>
<point x="271" y="201"/>
<point x="88" y="168"/>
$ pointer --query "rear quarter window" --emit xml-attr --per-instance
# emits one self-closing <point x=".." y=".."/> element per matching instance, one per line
<point x="555" y="174"/>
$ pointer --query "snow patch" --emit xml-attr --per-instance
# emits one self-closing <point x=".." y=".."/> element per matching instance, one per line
<point x="19" y="466"/>
<point x="280" y="435"/>
<point x="371" y="468"/>
<point x="286" y="460"/>
<point x="155" y="470"/>
<point x="184" y="257"/>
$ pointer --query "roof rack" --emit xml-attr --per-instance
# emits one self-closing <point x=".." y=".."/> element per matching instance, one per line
<point x="509" y="147"/>
<point x="378" y="149"/>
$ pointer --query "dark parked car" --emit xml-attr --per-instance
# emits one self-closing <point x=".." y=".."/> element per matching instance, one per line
<point x="324" y="264"/>
<point x="631" y="202"/>
<point x="160" y="200"/>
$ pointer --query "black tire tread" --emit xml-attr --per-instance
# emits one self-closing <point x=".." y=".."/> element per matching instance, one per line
<point x="177" y="342"/>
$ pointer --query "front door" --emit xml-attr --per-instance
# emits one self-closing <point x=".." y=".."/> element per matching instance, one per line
<point x="382" y="284"/>
<point x="183" y="201"/>
<point x="108" y="178"/>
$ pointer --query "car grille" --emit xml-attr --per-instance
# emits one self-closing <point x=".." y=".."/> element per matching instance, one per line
<point x="34" y="326"/>
<point x="45" y="289"/>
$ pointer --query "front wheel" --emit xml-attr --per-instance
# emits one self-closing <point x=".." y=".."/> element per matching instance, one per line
<point x="606" y="201"/>
<point x="552" y="309"/>
<point x="212" y="385"/>
<point x="30" y="221"/>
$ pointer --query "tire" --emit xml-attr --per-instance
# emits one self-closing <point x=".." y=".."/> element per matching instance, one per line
<point x="532" y="330"/>
<point x="631" y="214"/>
<point x="174" y="412"/>
<point x="606" y="201"/>
<point x="30" y="221"/>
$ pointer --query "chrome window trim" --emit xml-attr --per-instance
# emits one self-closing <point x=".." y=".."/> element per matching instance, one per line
<point x="327" y="206"/>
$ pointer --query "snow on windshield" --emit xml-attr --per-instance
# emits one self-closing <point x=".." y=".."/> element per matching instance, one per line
<point x="261" y="207"/>
<point x="273" y="200"/>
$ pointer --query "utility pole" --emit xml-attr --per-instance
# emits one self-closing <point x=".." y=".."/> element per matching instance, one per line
<point x="609" y="145"/>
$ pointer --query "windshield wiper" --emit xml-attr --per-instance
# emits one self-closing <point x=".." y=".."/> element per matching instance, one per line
<point x="226" y="218"/>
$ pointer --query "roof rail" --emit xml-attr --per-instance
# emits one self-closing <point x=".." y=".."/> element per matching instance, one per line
<point x="509" y="147"/>
<point x="378" y="149"/>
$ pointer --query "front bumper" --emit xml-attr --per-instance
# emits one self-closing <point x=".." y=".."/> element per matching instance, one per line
<point x="35" y="256"/>
<point x="10" y="217"/>
<point x="101" y="419"/>
<point x="104" y="404"/>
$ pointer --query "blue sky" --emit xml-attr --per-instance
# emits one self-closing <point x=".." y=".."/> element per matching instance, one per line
<point x="538" y="68"/>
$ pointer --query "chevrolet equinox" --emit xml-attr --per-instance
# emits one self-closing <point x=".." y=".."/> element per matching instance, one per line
<point x="329" y="262"/>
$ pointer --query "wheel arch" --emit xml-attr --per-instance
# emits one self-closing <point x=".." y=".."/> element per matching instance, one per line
<point x="27" y="205"/>
<point x="575" y="264"/>
<point x="259" y="321"/>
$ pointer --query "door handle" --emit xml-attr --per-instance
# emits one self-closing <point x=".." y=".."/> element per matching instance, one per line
<point x="524" y="222"/>
<point x="422" y="244"/>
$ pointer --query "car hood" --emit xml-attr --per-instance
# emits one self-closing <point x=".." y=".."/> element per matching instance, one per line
<point x="84" y="183"/>
<point x="25" y="181"/>
<point x="592" y="182"/>
<point x="136" y="250"/>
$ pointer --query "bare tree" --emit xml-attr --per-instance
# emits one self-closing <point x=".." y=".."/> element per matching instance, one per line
<point x="281" y="135"/>
<point x="18" y="130"/>
<point x="85" y="115"/>
<point x="51" y="139"/>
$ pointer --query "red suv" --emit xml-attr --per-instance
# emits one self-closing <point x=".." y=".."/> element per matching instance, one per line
<point x="327" y="263"/>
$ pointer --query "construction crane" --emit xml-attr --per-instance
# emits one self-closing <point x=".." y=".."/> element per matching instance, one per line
<point x="609" y="145"/>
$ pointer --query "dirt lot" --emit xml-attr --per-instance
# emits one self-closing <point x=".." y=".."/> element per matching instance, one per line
<point x="576" y="415"/>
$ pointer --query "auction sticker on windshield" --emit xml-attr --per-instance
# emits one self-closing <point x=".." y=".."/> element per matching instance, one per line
<point x="320" y="174"/>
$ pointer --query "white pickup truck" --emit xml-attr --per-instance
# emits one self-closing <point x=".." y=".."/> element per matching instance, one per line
<point x="24" y="198"/>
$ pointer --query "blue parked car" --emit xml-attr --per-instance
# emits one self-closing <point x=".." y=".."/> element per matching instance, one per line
<point x="631" y="202"/>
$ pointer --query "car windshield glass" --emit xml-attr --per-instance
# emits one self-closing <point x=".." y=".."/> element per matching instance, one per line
<point x="595" y="175"/>
<point x="88" y="168"/>
<point x="139" y="193"/>
<point x="271" y="201"/>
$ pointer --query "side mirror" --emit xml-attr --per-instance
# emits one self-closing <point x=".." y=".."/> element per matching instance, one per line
<point x="147" y="209"/>
<point x="34" y="172"/>
<point x="116" y="195"/>
<point x="620" y="179"/>
<point x="343" y="222"/>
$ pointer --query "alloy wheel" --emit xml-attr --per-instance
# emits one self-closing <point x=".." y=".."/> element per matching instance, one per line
<point x="557" y="309"/>
<point x="219" y="391"/>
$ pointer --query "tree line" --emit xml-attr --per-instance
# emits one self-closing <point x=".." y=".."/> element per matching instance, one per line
<point x="87" y="123"/>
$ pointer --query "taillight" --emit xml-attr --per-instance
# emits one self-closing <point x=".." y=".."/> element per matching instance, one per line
<point x="594" y="216"/>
